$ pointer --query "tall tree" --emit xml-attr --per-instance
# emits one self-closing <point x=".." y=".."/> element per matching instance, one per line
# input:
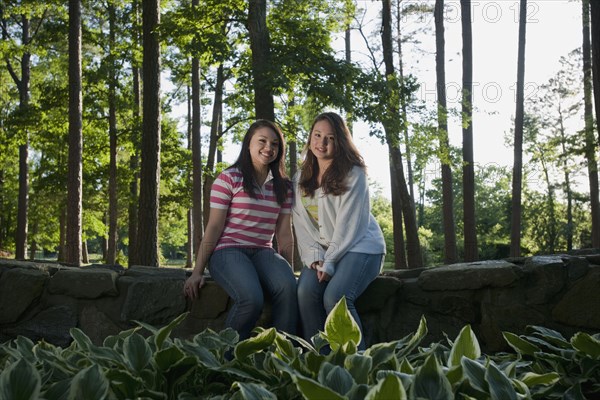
<point x="23" y="86"/>
<point x="74" y="180"/>
<point x="148" y="249"/>
<point x="450" y="250"/>
<point x="590" y="143"/>
<point x="469" y="221"/>
<point x="197" y="214"/>
<point x="400" y="193"/>
<point x="111" y="254"/>
<point x="135" y="140"/>
<point x="401" y="261"/>
<point x="517" y="182"/>
<point x="261" y="59"/>
<point x="216" y="132"/>
<point x="595" y="27"/>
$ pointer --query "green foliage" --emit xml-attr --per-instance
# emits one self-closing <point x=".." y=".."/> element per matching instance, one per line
<point x="145" y="362"/>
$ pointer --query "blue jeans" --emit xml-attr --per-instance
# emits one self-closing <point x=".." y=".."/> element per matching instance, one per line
<point x="250" y="274"/>
<point x="353" y="274"/>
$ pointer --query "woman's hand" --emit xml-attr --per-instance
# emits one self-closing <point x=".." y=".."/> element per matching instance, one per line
<point x="321" y="276"/>
<point x="191" y="287"/>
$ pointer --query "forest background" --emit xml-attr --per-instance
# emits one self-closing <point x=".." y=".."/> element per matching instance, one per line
<point x="115" y="116"/>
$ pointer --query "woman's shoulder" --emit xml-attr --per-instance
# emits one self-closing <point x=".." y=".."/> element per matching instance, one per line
<point x="357" y="172"/>
<point x="231" y="174"/>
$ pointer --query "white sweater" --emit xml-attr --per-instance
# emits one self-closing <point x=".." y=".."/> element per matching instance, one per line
<point x="345" y="224"/>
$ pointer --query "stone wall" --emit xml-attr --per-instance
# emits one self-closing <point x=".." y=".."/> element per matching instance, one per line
<point x="562" y="292"/>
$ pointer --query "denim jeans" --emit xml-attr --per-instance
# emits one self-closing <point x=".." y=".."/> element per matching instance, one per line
<point x="250" y="274"/>
<point x="353" y="274"/>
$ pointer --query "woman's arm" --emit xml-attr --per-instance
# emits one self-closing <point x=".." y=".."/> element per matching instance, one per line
<point x="212" y="233"/>
<point x="351" y="219"/>
<point x="285" y="239"/>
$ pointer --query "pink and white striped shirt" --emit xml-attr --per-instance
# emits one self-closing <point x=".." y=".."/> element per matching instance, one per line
<point x="249" y="222"/>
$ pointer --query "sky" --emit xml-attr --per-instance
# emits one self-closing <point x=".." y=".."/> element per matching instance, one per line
<point x="553" y="30"/>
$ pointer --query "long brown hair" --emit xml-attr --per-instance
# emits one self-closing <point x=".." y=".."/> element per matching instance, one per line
<point x="345" y="157"/>
<point x="281" y="183"/>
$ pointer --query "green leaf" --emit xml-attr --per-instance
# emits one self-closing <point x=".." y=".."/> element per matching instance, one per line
<point x="25" y="348"/>
<point x="137" y="352"/>
<point x="284" y="347"/>
<point x="252" y="391"/>
<point x="82" y="340"/>
<point x="388" y="388"/>
<point x="475" y="374"/>
<point x="359" y="366"/>
<point x="122" y="381"/>
<point x="57" y="391"/>
<point x="409" y="343"/>
<point x="340" y="326"/>
<point x="163" y="333"/>
<point x="168" y="357"/>
<point x="519" y="344"/>
<point x="430" y="381"/>
<point x="533" y="379"/>
<point x="574" y="393"/>
<point x="255" y="344"/>
<point x="500" y="386"/>
<point x="314" y="361"/>
<point x="550" y="335"/>
<point x="336" y="378"/>
<point x="406" y="367"/>
<point x="20" y="381"/>
<point x="89" y="384"/>
<point x="381" y="352"/>
<point x="586" y="344"/>
<point x="312" y="390"/>
<point x="465" y="345"/>
<point x="203" y="355"/>
<point x="114" y="340"/>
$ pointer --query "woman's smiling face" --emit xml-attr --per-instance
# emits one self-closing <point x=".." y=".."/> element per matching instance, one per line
<point x="263" y="147"/>
<point x="322" y="141"/>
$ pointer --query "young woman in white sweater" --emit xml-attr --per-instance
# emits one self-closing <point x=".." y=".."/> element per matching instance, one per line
<point x="340" y="243"/>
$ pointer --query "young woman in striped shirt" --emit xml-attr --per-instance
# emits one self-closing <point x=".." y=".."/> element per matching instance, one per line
<point x="251" y="202"/>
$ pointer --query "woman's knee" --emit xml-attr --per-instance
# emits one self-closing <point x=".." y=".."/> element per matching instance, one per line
<point x="250" y="301"/>
<point x="330" y="299"/>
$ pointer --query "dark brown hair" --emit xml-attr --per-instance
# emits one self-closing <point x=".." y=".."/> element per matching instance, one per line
<point x="281" y="183"/>
<point x="345" y="157"/>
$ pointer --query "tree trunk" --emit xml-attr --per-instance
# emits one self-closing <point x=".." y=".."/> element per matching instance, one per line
<point x="2" y="219"/>
<point x="134" y="159"/>
<point x="400" y="261"/>
<point x="189" y="246"/>
<point x="74" y="182"/>
<point x="24" y="95"/>
<point x="196" y="154"/>
<point x="517" y="182"/>
<point x="568" y="191"/>
<point x="111" y="255"/>
<point x="590" y="143"/>
<point x="595" y="26"/>
<point x="33" y="249"/>
<point x="469" y="221"/>
<point x="148" y="250"/>
<point x="261" y="59"/>
<point x="403" y="200"/>
<point x="215" y="135"/>
<point x="84" y="252"/>
<point x="62" y="235"/>
<point x="450" y="250"/>
<point x="403" y="105"/>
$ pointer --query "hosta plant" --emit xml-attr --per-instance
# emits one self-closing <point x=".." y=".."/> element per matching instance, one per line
<point x="146" y="362"/>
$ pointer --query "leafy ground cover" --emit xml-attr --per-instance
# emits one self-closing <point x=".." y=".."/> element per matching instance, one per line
<point x="146" y="362"/>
